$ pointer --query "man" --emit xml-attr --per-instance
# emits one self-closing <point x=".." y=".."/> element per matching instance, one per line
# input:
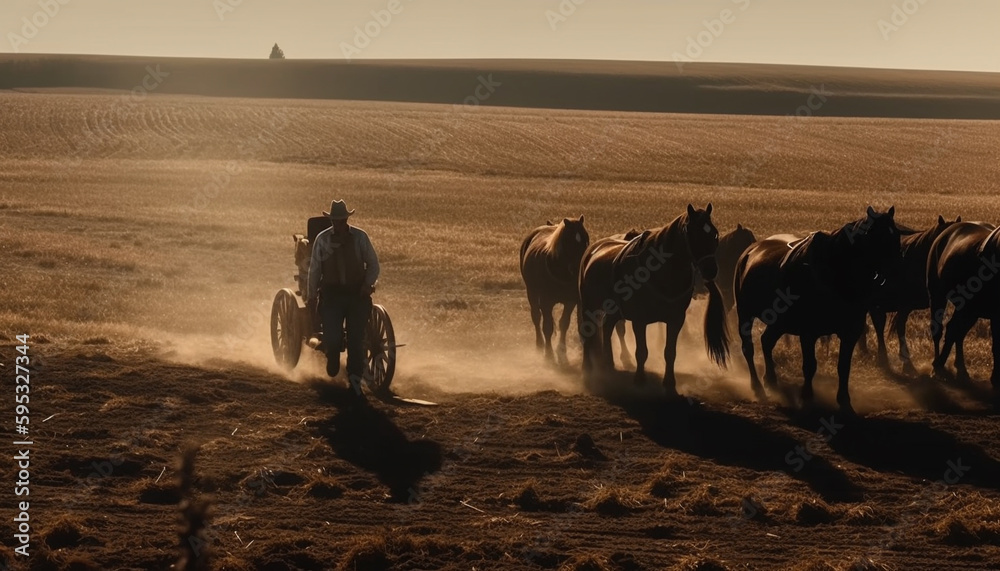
<point x="344" y="267"/>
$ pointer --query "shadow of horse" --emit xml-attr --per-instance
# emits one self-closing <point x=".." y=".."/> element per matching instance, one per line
<point x="689" y="426"/>
<point x="367" y="438"/>
<point x="929" y="391"/>
<point x="912" y="448"/>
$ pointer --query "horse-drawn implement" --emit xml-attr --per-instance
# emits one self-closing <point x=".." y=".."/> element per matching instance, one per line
<point x="295" y="323"/>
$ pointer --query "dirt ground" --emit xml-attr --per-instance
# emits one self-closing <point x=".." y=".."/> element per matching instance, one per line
<point x="298" y="478"/>
<point x="141" y="245"/>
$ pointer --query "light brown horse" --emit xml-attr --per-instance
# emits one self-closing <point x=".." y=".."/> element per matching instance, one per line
<point x="550" y="266"/>
<point x="650" y="279"/>
<point x="732" y="244"/>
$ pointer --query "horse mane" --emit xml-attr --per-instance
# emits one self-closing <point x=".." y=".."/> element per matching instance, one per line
<point x="990" y="239"/>
<point x="554" y="242"/>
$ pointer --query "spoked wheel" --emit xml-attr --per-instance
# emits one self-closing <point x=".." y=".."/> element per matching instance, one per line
<point x="380" y="348"/>
<point x="286" y="329"/>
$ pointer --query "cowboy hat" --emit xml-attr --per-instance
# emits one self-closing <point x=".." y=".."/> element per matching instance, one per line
<point x="338" y="211"/>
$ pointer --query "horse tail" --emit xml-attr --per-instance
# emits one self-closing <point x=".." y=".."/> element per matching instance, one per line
<point x="716" y="328"/>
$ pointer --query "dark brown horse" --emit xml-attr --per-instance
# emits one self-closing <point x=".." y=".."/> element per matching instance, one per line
<point x="650" y="279"/>
<point x="963" y="268"/>
<point x="820" y="285"/>
<point x="550" y="267"/>
<point x="905" y="290"/>
<point x="732" y="244"/>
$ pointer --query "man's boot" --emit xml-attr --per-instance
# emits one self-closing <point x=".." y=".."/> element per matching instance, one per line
<point x="333" y="364"/>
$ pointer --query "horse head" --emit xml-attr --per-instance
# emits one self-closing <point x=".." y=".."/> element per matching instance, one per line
<point x="703" y="240"/>
<point x="571" y="240"/>
<point x="741" y="238"/>
<point x="875" y="243"/>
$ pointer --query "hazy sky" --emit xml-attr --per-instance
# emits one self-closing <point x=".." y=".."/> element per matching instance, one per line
<point x="936" y="34"/>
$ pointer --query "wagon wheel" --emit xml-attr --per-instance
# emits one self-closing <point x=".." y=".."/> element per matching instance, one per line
<point x="380" y="348"/>
<point x="286" y="329"/>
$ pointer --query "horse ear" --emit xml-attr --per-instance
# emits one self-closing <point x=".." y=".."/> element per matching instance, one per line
<point x="548" y="223"/>
<point x="581" y="219"/>
<point x="739" y="226"/>
<point x="941" y="220"/>
<point x="690" y="210"/>
<point x="959" y="219"/>
<point x="565" y="220"/>
<point x="708" y="209"/>
<point x="892" y="210"/>
<point x="871" y="212"/>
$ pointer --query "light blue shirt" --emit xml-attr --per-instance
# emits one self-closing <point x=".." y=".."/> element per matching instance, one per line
<point x="321" y="247"/>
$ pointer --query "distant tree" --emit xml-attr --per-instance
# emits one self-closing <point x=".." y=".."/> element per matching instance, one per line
<point x="276" y="52"/>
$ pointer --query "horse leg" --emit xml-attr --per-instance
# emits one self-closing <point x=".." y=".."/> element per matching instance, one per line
<point x="670" y="354"/>
<point x="746" y="340"/>
<point x="587" y="329"/>
<point x="937" y="328"/>
<point x="567" y="314"/>
<point x="878" y="320"/>
<point x="607" y="356"/>
<point x="626" y="358"/>
<point x="863" y="339"/>
<point x="904" y="349"/>
<point x="641" y="352"/>
<point x="847" y="342"/>
<point x="808" y="366"/>
<point x="958" y="326"/>
<point x="548" y="327"/>
<point x="767" y="342"/>
<point x="536" y="319"/>
<point x="963" y="373"/>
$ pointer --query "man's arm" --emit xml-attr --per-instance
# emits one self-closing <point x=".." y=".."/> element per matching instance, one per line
<point x="372" y="268"/>
<point x="315" y="269"/>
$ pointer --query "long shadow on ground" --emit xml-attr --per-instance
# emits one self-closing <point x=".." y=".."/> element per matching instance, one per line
<point x="689" y="426"/>
<point x="930" y="391"/>
<point x="367" y="438"/>
<point x="913" y="448"/>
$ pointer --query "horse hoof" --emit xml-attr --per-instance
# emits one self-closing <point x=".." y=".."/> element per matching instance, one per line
<point x="845" y="405"/>
<point x="759" y="392"/>
<point x="963" y="376"/>
<point x="908" y="368"/>
<point x="882" y="362"/>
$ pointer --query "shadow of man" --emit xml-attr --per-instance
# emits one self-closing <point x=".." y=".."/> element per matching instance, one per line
<point x="367" y="438"/>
